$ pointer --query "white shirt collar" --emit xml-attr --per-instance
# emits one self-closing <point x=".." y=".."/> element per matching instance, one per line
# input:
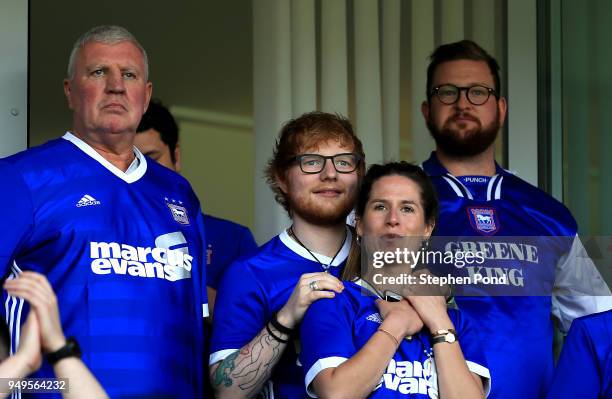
<point x="298" y="249"/>
<point x="135" y="171"/>
<point x="135" y="163"/>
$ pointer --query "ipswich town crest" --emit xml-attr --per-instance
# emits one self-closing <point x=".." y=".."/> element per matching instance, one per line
<point x="179" y="212"/>
<point x="483" y="219"/>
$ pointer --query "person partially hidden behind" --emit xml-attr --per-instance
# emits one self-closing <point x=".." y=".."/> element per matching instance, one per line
<point x="226" y="241"/>
<point x="158" y="137"/>
<point x="357" y="345"/>
<point x="42" y="335"/>
<point x="585" y="365"/>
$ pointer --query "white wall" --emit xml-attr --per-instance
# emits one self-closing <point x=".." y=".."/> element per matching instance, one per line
<point x="219" y="162"/>
<point x="13" y="76"/>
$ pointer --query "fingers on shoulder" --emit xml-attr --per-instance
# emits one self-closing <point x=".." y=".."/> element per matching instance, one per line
<point x="316" y="295"/>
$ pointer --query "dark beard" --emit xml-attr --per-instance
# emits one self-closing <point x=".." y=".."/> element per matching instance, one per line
<point x="315" y="214"/>
<point x="473" y="142"/>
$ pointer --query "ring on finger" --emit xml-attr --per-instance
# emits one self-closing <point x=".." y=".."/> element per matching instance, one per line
<point x="313" y="285"/>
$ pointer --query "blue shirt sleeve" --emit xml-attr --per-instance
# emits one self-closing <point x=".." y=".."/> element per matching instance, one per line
<point x="241" y="311"/>
<point x="247" y="244"/>
<point x="16" y="215"/>
<point x="472" y="347"/>
<point x="226" y="242"/>
<point x="577" y="373"/>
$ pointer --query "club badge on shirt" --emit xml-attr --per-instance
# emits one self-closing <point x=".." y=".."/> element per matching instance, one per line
<point x="178" y="211"/>
<point x="483" y="219"/>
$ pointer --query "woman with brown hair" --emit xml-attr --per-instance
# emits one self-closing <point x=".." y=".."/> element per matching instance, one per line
<point x="357" y="345"/>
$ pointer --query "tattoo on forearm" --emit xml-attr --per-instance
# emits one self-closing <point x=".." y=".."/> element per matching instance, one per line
<point x="256" y="368"/>
<point x="250" y="367"/>
<point x="223" y="371"/>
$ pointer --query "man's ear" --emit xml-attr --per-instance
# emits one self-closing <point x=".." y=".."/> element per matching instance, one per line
<point x="68" y="92"/>
<point x="280" y="181"/>
<point x="425" y="110"/>
<point x="177" y="158"/>
<point x="148" y="94"/>
<point x="502" y="107"/>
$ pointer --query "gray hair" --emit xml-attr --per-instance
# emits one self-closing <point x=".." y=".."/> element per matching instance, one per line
<point x="107" y="34"/>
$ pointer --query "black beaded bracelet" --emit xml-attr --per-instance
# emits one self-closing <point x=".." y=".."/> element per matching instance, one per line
<point x="277" y="338"/>
<point x="279" y="326"/>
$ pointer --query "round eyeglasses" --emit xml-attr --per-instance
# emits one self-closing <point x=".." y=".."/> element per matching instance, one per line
<point x="315" y="163"/>
<point x="476" y="95"/>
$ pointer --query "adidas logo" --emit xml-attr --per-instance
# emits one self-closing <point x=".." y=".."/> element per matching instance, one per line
<point x="87" y="200"/>
<point x="375" y="317"/>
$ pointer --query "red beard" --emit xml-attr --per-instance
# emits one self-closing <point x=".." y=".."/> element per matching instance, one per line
<point x="322" y="212"/>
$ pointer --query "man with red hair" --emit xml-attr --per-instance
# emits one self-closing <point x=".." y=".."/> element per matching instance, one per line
<point x="314" y="173"/>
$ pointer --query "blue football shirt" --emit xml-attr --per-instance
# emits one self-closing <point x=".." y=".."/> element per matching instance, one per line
<point x="125" y="254"/>
<point x="585" y="365"/>
<point x="335" y="329"/>
<point x="255" y="287"/>
<point x="532" y="240"/>
<point x="226" y="241"/>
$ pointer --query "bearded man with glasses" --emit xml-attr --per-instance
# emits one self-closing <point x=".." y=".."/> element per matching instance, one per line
<point x="464" y="112"/>
<point x="317" y="164"/>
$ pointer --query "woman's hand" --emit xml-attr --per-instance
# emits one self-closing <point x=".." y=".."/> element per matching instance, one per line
<point x="310" y="287"/>
<point x="34" y="288"/>
<point x="429" y="301"/>
<point x="29" y="345"/>
<point x="432" y="310"/>
<point x="399" y="317"/>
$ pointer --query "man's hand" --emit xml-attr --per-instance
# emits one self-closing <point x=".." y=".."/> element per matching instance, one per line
<point x="401" y="316"/>
<point x="303" y="295"/>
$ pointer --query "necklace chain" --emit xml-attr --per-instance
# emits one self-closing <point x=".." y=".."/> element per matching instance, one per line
<point x="323" y="265"/>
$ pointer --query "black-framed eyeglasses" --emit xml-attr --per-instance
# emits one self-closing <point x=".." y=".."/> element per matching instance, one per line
<point x="477" y="94"/>
<point x="315" y="163"/>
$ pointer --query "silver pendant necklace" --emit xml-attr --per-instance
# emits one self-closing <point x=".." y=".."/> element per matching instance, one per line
<point x="323" y="265"/>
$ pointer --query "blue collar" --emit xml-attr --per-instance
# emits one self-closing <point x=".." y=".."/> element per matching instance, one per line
<point x="492" y="191"/>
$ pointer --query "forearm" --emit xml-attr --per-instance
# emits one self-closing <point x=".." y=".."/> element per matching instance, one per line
<point x="359" y="375"/>
<point x="455" y="380"/>
<point x="81" y="382"/>
<point x="14" y="367"/>
<point x="243" y="373"/>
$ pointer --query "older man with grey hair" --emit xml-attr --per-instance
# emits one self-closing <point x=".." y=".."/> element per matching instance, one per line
<point x="108" y="90"/>
<point x="119" y="237"/>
